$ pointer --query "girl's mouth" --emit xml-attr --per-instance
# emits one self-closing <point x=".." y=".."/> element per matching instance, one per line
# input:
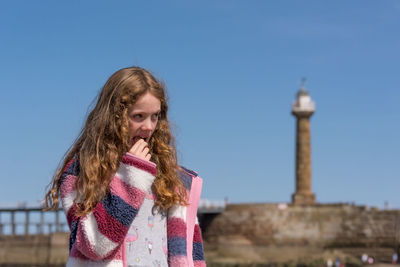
<point x="137" y="138"/>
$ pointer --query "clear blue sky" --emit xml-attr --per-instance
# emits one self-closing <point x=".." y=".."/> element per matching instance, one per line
<point x="232" y="69"/>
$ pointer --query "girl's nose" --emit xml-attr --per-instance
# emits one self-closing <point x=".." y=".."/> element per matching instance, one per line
<point x="148" y="125"/>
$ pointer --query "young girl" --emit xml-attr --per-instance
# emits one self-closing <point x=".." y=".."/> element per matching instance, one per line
<point x="126" y="200"/>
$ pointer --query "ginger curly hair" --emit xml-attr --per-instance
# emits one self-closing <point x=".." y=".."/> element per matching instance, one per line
<point x="104" y="139"/>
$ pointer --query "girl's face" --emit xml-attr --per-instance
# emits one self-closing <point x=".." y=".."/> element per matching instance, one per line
<point x="143" y="117"/>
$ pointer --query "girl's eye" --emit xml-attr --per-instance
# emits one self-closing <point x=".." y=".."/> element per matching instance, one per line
<point x="138" y="116"/>
<point x="156" y="116"/>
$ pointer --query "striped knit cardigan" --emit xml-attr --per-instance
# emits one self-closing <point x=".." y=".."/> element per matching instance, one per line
<point x="97" y="239"/>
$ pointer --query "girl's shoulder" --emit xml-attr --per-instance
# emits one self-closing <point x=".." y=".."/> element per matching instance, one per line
<point x="188" y="171"/>
<point x="72" y="165"/>
<point x="71" y="168"/>
<point x="186" y="175"/>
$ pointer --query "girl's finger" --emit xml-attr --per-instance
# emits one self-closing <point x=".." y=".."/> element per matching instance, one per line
<point x="142" y="146"/>
<point x="137" y="147"/>
<point x="148" y="156"/>
<point x="145" y="151"/>
<point x="141" y="149"/>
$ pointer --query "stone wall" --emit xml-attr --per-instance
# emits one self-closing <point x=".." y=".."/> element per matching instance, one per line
<point x="289" y="231"/>
<point x="256" y="233"/>
<point x="34" y="250"/>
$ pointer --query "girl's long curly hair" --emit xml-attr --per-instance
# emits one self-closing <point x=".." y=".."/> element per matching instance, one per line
<point x="104" y="139"/>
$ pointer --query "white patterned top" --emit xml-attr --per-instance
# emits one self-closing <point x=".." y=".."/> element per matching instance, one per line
<point x="146" y="241"/>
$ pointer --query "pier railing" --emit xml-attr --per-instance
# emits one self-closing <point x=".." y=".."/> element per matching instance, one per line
<point x="44" y="222"/>
<point x="32" y="221"/>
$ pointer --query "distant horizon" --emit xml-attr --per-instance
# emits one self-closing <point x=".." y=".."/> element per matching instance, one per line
<point x="31" y="205"/>
<point x="232" y="70"/>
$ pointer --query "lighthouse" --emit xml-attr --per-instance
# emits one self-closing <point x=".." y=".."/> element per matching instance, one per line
<point x="303" y="108"/>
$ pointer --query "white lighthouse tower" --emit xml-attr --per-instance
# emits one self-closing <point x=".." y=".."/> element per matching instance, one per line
<point x="303" y="107"/>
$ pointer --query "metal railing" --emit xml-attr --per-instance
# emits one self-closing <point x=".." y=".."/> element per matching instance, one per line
<point x="41" y="226"/>
<point x="57" y="223"/>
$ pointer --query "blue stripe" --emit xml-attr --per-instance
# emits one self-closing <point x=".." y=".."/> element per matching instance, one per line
<point x="119" y="209"/>
<point x="198" y="253"/>
<point x="186" y="179"/>
<point x="73" y="169"/>
<point x="72" y="236"/>
<point x="190" y="171"/>
<point x="176" y="246"/>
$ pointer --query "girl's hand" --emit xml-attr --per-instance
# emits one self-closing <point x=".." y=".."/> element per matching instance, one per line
<point x="141" y="150"/>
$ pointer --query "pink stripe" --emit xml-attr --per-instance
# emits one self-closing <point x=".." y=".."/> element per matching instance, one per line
<point x="178" y="261"/>
<point x="197" y="234"/>
<point x="142" y="164"/>
<point x="83" y="245"/>
<point x="176" y="227"/>
<point x="191" y="215"/>
<point x="76" y="253"/>
<point x="199" y="264"/>
<point x="108" y="225"/>
<point x="68" y="185"/>
<point x="71" y="217"/>
<point x="116" y="254"/>
<point x="131" y="195"/>
<point x="69" y="164"/>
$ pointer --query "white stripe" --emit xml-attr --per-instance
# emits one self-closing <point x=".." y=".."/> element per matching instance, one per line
<point x="178" y="211"/>
<point x="100" y="243"/>
<point x="68" y="201"/>
<point x="75" y="262"/>
<point x="135" y="177"/>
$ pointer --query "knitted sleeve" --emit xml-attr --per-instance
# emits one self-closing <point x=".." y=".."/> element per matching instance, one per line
<point x="198" y="252"/>
<point x="99" y="233"/>
<point x="176" y="234"/>
<point x="177" y="240"/>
